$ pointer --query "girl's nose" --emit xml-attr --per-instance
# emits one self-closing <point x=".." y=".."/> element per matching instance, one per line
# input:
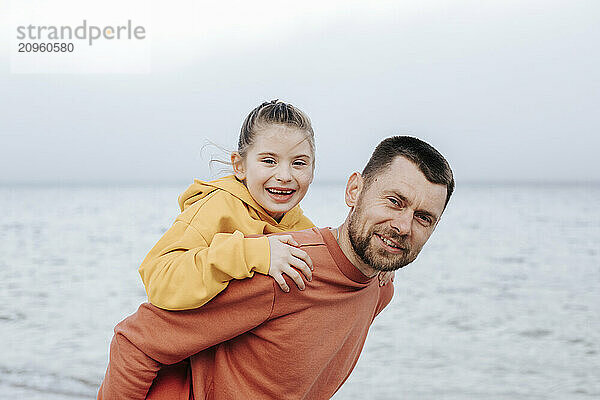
<point x="283" y="173"/>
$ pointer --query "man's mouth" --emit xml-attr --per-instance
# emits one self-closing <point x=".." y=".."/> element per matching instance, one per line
<point x="391" y="244"/>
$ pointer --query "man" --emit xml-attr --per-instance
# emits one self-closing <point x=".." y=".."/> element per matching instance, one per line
<point x="255" y="342"/>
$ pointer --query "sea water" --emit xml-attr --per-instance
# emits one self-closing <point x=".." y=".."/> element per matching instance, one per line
<point x="503" y="302"/>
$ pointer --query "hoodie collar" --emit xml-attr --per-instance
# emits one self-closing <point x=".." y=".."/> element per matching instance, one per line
<point x="233" y="186"/>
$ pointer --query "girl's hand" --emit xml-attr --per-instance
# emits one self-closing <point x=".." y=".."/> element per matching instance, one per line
<point x="385" y="277"/>
<point x="288" y="259"/>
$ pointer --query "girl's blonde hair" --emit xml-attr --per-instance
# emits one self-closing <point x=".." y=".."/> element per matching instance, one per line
<point x="273" y="112"/>
<point x="268" y="113"/>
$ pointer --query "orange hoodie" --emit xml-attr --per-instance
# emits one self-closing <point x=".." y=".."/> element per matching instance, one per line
<point x="206" y="248"/>
<point x="253" y="341"/>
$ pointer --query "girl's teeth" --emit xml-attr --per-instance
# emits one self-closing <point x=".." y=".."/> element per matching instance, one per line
<point x="280" y="191"/>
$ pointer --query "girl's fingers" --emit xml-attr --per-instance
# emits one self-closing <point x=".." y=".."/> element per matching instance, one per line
<point x="301" y="254"/>
<point x="301" y="265"/>
<point x="288" y="239"/>
<point x="384" y="278"/>
<point x="282" y="284"/>
<point x="296" y="277"/>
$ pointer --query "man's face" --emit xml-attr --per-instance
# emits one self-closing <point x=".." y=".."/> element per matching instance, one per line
<point x="394" y="215"/>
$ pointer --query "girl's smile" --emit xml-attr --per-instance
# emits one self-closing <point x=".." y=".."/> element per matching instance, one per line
<point x="280" y="195"/>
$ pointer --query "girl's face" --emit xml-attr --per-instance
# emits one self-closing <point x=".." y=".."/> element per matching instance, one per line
<point x="277" y="169"/>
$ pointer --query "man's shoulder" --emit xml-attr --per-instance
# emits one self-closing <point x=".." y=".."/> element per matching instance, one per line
<point x="308" y="237"/>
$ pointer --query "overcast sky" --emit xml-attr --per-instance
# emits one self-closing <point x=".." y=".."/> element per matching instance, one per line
<point x="506" y="90"/>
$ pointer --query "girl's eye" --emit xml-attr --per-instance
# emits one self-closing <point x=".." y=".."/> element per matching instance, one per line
<point x="300" y="162"/>
<point x="268" y="161"/>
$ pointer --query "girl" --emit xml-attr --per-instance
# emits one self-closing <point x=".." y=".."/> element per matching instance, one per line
<point x="207" y="245"/>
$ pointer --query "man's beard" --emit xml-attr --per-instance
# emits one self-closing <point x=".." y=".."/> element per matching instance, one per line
<point x="377" y="258"/>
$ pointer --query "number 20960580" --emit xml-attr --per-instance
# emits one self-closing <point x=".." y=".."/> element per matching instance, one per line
<point x="46" y="47"/>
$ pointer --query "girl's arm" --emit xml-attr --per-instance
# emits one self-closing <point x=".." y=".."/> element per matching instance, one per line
<point x="183" y="271"/>
<point x="194" y="261"/>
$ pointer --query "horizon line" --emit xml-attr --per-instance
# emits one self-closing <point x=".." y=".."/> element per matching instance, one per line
<point x="139" y="182"/>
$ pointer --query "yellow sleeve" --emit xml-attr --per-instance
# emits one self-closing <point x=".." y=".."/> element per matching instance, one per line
<point x="184" y="271"/>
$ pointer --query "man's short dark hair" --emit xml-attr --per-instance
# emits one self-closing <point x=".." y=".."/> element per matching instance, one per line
<point x="433" y="165"/>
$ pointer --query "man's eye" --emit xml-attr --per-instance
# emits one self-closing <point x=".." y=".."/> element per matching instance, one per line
<point x="394" y="201"/>
<point x="299" y="162"/>
<point x="268" y="161"/>
<point x="424" y="219"/>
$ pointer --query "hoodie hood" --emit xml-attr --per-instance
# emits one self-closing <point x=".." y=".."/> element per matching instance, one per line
<point x="200" y="189"/>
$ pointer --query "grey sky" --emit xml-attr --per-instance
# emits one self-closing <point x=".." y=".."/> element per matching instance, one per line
<point x="506" y="90"/>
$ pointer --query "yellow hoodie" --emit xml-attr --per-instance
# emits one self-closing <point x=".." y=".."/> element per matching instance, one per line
<point x="206" y="248"/>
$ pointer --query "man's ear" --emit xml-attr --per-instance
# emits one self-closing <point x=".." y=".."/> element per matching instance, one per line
<point x="239" y="167"/>
<point x="353" y="189"/>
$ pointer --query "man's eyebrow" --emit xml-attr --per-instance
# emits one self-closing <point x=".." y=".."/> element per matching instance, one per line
<point x="400" y="196"/>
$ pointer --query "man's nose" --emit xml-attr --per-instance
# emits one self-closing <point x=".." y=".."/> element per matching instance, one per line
<point x="283" y="173"/>
<point x="403" y="221"/>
